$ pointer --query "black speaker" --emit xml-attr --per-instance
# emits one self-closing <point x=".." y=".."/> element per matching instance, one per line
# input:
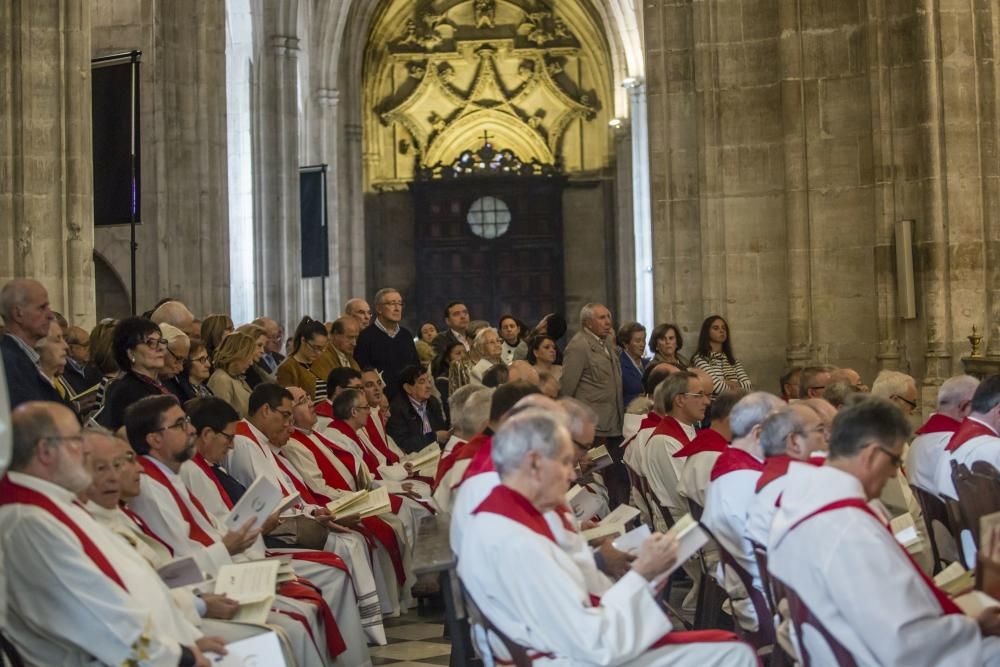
<point x="312" y="212"/>
<point x="115" y="116"/>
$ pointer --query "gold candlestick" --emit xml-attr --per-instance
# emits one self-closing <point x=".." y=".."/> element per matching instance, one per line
<point x="975" y="340"/>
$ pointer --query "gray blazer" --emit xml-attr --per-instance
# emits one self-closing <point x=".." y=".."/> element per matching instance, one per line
<point x="593" y="376"/>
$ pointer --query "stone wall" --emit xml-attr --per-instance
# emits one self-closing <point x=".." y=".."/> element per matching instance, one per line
<point x="788" y="139"/>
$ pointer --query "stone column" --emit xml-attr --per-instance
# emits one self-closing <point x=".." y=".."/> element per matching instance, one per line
<point x="329" y="141"/>
<point x="276" y="213"/>
<point x="46" y="177"/>
<point x="641" y="200"/>
<point x="797" y="214"/>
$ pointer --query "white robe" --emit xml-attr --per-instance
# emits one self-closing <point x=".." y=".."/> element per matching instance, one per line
<point x="632" y="457"/>
<point x="61" y="608"/>
<point x="334" y="583"/>
<point x="469" y="496"/>
<point x="444" y="494"/>
<point x="546" y="607"/>
<point x="157" y="507"/>
<point x="924" y="460"/>
<point x="663" y="472"/>
<point x="849" y="571"/>
<point x="727" y="500"/>
<point x="247" y="461"/>
<point x="694" y="475"/>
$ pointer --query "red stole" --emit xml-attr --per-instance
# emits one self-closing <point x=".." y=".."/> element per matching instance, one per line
<point x="651" y="420"/>
<point x="939" y="424"/>
<point x="507" y="502"/>
<point x="734" y="459"/>
<point x="969" y="429"/>
<point x="146" y="530"/>
<point x="324" y="409"/>
<point x="777" y="466"/>
<point x="391" y="458"/>
<point x="12" y="493"/>
<point x="243" y="428"/>
<point x="369" y="459"/>
<point x="707" y="440"/>
<point x="300" y="589"/>
<point x="481" y="462"/>
<point x="461" y="453"/>
<point x="331" y="475"/>
<point x="672" y="428"/>
<point x="200" y="461"/>
<point x="195" y="531"/>
<point x="948" y="606"/>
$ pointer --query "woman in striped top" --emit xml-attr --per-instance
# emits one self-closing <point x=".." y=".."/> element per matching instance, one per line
<point x="715" y="357"/>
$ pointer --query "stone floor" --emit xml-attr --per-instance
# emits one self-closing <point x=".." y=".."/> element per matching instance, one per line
<point x="414" y="639"/>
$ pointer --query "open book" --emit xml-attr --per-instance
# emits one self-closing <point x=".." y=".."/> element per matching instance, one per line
<point x="613" y="524"/>
<point x="252" y="585"/>
<point x="262" y="649"/>
<point x="583" y="503"/>
<point x="955" y="579"/>
<point x="974" y="603"/>
<point x="632" y="540"/>
<point x="690" y="538"/>
<point x="260" y="501"/>
<point x="600" y="456"/>
<point x="364" y="502"/>
<point x="906" y="533"/>
<point x="429" y="454"/>
<point x="181" y="572"/>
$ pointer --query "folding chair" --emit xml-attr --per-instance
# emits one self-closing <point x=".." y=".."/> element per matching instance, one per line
<point x="802" y="616"/>
<point x="933" y="509"/>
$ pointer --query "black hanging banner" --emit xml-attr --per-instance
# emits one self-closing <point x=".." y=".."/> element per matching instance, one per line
<point x="312" y="208"/>
<point x="115" y="110"/>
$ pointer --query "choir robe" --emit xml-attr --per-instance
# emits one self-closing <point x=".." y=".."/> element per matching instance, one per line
<point x="407" y="517"/>
<point x="355" y="620"/>
<point x="632" y="457"/>
<point x="662" y="469"/>
<point x="64" y="605"/>
<point x="979" y="443"/>
<point x="252" y="457"/>
<point x="550" y="607"/>
<point x="770" y="486"/>
<point x="926" y="451"/>
<point x="699" y="459"/>
<point x="731" y="489"/>
<point x="158" y="509"/>
<point x="848" y="569"/>
<point x="156" y="554"/>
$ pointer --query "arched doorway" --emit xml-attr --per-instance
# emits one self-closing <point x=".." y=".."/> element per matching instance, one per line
<point x="112" y="296"/>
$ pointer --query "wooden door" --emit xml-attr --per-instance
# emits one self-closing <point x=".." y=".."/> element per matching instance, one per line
<point x="493" y="267"/>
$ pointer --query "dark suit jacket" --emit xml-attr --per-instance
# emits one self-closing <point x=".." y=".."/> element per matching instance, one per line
<point x="81" y="381"/>
<point x="407" y="428"/>
<point x="24" y="379"/>
<point x="443" y="340"/>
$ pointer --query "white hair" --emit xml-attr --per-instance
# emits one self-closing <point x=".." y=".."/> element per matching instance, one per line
<point x="457" y="402"/>
<point x="956" y="390"/>
<point x="892" y="383"/>
<point x="529" y="431"/>
<point x="475" y="413"/>
<point x="776" y="427"/>
<point x="751" y="410"/>
<point x="578" y="414"/>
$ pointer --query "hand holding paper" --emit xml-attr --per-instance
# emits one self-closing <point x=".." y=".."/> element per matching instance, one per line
<point x="657" y="555"/>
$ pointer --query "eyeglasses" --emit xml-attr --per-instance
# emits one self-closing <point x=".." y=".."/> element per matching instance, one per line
<point x="286" y="414"/>
<point x="171" y="353"/>
<point x="203" y="359"/>
<point x="699" y="394"/>
<point x="181" y="425"/>
<point x="393" y="303"/>
<point x="228" y="436"/>
<point x="912" y="404"/>
<point x="315" y="348"/>
<point x="895" y="459"/>
<point x="153" y="343"/>
<point x="363" y="407"/>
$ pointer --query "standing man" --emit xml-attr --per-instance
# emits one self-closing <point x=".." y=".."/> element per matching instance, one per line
<point x="339" y="352"/>
<point x="387" y="345"/>
<point x="456" y="317"/>
<point x="27" y="315"/>
<point x="360" y="310"/>
<point x="272" y="349"/>
<point x="592" y="374"/>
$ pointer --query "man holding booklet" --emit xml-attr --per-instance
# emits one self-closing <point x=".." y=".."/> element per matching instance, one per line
<point x="560" y="608"/>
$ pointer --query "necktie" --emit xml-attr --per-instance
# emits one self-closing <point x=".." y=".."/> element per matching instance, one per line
<point x="232" y="487"/>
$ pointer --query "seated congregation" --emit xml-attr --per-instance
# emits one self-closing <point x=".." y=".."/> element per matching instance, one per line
<point x="601" y="507"/>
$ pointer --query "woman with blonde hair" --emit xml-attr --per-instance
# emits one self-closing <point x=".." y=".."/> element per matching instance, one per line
<point x="257" y="374"/>
<point x="232" y="359"/>
<point x="213" y="329"/>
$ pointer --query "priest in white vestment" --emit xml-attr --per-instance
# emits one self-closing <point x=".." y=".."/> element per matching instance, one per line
<point x="552" y="608"/>
<point x="731" y="488"/>
<point x="836" y="555"/>
<point x="978" y="437"/>
<point x="470" y="426"/>
<point x="700" y="455"/>
<point x="74" y="597"/>
<point x="923" y="459"/>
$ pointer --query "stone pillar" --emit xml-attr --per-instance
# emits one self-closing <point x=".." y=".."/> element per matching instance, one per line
<point x="276" y="213"/>
<point x="641" y="199"/>
<point x="329" y="142"/>
<point x="797" y="216"/>
<point x="46" y="177"/>
<point x="988" y="38"/>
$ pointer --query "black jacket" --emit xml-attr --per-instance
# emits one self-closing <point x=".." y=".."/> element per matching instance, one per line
<point x="407" y="428"/>
<point x="24" y="379"/>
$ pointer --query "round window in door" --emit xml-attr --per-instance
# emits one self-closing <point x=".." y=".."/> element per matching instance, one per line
<point x="488" y="217"/>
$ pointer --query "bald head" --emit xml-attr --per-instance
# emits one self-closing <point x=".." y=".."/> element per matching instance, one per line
<point x="176" y="314"/>
<point x="26" y="311"/>
<point x="522" y="370"/>
<point x="360" y="310"/>
<point x="105" y="454"/>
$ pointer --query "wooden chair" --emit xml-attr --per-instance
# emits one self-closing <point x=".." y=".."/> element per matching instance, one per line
<point x="933" y="509"/>
<point x="711" y="595"/>
<point x="635" y="481"/>
<point x="978" y="493"/>
<point x="802" y="616"/>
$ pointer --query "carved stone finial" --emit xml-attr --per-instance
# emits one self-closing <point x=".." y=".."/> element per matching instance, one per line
<point x="485" y="13"/>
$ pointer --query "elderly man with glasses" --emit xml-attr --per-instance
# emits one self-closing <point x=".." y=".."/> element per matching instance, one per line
<point x="387" y="345"/>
